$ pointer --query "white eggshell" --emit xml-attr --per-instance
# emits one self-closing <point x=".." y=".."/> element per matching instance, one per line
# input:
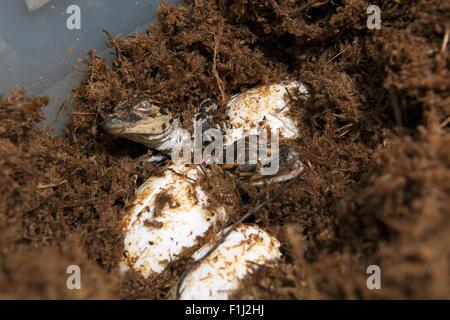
<point x="152" y="242"/>
<point x="242" y="252"/>
<point x="263" y="106"/>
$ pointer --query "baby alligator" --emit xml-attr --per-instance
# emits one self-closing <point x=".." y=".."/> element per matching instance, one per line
<point x="155" y="127"/>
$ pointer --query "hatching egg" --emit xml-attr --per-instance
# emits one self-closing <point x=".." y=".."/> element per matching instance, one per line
<point x="169" y="215"/>
<point x="265" y="106"/>
<point x="218" y="275"/>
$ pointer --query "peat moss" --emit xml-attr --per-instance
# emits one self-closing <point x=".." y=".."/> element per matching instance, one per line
<point x="376" y="145"/>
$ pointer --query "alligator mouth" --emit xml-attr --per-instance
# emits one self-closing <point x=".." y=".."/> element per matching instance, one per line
<point x="285" y="173"/>
<point x="291" y="172"/>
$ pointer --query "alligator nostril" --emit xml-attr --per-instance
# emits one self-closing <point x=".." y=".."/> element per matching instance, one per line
<point x="111" y="123"/>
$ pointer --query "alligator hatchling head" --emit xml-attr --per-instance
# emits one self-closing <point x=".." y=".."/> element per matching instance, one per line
<point x="140" y="121"/>
<point x="290" y="167"/>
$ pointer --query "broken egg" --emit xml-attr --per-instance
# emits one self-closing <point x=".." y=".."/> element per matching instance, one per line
<point x="242" y="252"/>
<point x="169" y="215"/>
<point x="264" y="107"/>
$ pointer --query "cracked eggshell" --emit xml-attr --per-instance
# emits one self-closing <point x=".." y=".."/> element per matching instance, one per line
<point x="267" y="105"/>
<point x="242" y="252"/>
<point x="169" y="215"/>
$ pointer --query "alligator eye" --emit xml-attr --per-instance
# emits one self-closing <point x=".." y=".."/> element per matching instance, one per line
<point x="144" y="105"/>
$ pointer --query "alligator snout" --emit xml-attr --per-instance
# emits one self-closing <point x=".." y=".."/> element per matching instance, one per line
<point x="111" y="123"/>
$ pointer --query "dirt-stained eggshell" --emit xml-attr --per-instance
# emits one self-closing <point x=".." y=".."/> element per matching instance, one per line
<point x="242" y="252"/>
<point x="264" y="106"/>
<point x="169" y="215"/>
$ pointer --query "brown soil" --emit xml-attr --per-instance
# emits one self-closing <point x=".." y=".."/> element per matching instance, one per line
<point x="376" y="142"/>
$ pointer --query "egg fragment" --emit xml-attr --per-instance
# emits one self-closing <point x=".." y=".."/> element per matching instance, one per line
<point x="242" y="252"/>
<point x="169" y="215"/>
<point x="265" y="106"/>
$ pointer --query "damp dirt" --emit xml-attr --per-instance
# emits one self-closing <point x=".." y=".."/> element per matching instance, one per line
<point x="375" y="144"/>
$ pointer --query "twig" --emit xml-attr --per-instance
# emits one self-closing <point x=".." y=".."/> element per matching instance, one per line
<point x="396" y="108"/>
<point x="219" y="81"/>
<point x="51" y="185"/>
<point x="445" y="123"/>
<point x="445" y="40"/>
<point x="340" y="52"/>
<point x="311" y="4"/>
<point x="233" y="227"/>
<point x="119" y="57"/>
<point x="342" y="131"/>
<point x="110" y="38"/>
<point x="181" y="175"/>
<point x="61" y="107"/>
<point x="291" y="98"/>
